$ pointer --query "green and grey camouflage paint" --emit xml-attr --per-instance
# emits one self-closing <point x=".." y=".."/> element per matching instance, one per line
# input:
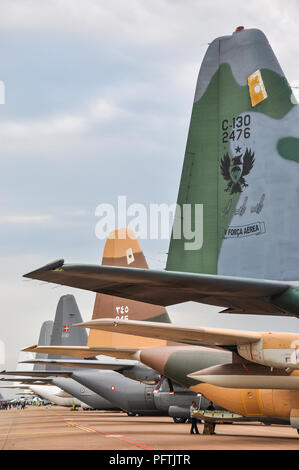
<point x="241" y="163"/>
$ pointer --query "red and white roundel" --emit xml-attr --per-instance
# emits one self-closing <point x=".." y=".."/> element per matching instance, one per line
<point x="112" y="388"/>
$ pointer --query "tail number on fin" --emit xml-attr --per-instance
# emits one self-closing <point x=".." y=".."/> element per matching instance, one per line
<point x="122" y="312"/>
<point x="236" y="128"/>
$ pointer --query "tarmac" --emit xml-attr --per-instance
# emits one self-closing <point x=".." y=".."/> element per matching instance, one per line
<point x="59" y="428"/>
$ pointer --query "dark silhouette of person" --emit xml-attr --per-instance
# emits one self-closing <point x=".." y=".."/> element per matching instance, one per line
<point x="211" y="407"/>
<point x="193" y="408"/>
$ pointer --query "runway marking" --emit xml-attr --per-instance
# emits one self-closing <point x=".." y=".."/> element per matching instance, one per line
<point x="121" y="438"/>
<point x="71" y="427"/>
<point x="79" y="426"/>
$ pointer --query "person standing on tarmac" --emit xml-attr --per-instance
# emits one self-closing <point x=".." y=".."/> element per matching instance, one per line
<point x="193" y="408"/>
<point x="211" y="407"/>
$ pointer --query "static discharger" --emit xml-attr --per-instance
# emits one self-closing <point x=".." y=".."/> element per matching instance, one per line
<point x="257" y="90"/>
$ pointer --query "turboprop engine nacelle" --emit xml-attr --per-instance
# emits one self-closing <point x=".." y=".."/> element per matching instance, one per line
<point x="278" y="350"/>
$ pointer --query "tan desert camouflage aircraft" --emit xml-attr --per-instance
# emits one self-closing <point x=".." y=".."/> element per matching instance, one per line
<point x="262" y="380"/>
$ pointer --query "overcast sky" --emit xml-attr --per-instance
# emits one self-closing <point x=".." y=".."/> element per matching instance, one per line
<point x="98" y="101"/>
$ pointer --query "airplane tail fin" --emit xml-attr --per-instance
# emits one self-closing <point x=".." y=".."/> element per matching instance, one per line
<point x="44" y="340"/>
<point x="122" y="249"/>
<point x="241" y="165"/>
<point x="64" y="334"/>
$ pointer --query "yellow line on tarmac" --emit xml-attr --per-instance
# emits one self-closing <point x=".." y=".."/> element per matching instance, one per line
<point x="85" y="429"/>
<point x="68" y="422"/>
<point x="78" y="426"/>
<point x="64" y="428"/>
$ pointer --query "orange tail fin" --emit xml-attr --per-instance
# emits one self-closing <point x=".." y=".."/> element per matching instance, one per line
<point x="122" y="249"/>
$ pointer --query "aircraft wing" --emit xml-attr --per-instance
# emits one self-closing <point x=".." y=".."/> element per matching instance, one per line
<point x="95" y="364"/>
<point x="238" y="295"/>
<point x="84" y="351"/>
<point x="215" y="337"/>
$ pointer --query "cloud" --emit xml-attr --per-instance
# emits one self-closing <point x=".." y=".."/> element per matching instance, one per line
<point x="104" y="128"/>
<point x="141" y="22"/>
<point x="62" y="124"/>
<point x="64" y="217"/>
<point x="25" y="219"/>
<point x="97" y="17"/>
<point x="63" y="136"/>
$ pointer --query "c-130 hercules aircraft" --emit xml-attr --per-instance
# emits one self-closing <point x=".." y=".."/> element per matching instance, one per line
<point x="116" y="385"/>
<point x="242" y="165"/>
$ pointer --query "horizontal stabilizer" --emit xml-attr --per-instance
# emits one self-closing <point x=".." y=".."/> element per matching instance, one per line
<point x="85" y="352"/>
<point x="27" y="380"/>
<point x="243" y="295"/>
<point x="94" y="364"/>
<point x="30" y="373"/>
<point x="194" y="335"/>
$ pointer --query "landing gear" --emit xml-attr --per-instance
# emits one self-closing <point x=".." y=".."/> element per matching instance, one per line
<point x="129" y="413"/>
<point x="297" y="431"/>
<point x="209" y="428"/>
<point x="180" y="420"/>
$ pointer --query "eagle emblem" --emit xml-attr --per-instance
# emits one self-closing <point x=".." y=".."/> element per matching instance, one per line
<point x="234" y="169"/>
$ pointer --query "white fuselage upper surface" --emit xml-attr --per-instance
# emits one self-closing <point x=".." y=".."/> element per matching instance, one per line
<point x="56" y="395"/>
